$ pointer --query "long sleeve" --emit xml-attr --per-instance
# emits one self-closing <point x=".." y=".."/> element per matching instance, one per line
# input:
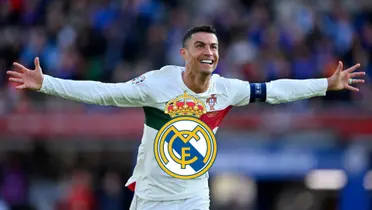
<point x="125" y="94"/>
<point x="278" y="91"/>
<point x="287" y="90"/>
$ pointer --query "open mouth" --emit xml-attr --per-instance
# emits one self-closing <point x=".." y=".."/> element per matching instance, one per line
<point x="206" y="61"/>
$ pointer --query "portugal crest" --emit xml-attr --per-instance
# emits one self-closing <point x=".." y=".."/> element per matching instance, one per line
<point x="211" y="101"/>
<point x="185" y="147"/>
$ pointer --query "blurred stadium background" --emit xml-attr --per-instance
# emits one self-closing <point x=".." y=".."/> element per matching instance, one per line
<point x="308" y="155"/>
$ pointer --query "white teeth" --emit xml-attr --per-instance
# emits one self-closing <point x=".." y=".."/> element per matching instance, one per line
<point x="206" y="61"/>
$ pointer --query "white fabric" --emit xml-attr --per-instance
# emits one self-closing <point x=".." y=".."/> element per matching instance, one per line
<point x="287" y="90"/>
<point x="154" y="89"/>
<point x="193" y="203"/>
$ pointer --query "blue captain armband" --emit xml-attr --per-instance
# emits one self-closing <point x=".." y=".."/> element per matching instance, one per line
<point x="258" y="92"/>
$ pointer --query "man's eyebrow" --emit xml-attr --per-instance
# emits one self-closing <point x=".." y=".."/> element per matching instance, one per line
<point x="200" y="42"/>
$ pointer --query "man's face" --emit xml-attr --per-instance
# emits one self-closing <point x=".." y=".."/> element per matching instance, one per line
<point x="201" y="52"/>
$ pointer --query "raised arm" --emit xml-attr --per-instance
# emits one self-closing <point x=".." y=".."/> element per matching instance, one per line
<point x="115" y="94"/>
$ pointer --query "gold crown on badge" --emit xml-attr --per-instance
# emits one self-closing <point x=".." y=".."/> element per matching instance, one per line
<point x="185" y="105"/>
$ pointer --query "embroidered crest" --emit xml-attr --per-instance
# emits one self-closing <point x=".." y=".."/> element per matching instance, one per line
<point x="211" y="101"/>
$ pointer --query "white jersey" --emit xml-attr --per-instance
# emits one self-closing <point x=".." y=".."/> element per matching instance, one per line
<point x="152" y="91"/>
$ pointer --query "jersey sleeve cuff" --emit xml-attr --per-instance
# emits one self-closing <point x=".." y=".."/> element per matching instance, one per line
<point x="44" y="85"/>
<point x="322" y="86"/>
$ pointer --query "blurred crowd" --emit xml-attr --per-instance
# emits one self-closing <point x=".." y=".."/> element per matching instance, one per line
<point x="117" y="40"/>
<point x="40" y="179"/>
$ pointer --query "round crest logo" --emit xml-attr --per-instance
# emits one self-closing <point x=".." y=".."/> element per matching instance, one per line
<point x="185" y="147"/>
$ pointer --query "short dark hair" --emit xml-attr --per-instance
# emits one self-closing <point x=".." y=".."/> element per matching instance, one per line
<point x="191" y="31"/>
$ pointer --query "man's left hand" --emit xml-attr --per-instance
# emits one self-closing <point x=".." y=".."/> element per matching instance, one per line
<point x="344" y="79"/>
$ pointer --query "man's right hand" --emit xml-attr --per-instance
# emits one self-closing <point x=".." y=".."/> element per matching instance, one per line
<point x="27" y="78"/>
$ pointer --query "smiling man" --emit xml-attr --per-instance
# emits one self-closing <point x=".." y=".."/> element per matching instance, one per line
<point x="200" y="51"/>
<point x="212" y="95"/>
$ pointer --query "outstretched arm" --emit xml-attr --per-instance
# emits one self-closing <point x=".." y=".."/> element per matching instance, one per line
<point x="115" y="94"/>
<point x="287" y="90"/>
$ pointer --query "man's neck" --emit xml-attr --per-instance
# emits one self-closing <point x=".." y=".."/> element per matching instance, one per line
<point x="198" y="83"/>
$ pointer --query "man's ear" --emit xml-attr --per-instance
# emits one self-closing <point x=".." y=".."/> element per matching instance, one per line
<point x="183" y="52"/>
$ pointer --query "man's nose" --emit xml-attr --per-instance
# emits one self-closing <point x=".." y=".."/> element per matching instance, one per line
<point x="208" y="51"/>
